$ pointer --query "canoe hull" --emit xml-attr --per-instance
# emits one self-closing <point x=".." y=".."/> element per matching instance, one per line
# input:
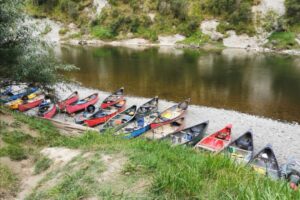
<point x="62" y="105"/>
<point x="100" y="120"/>
<point x="28" y="106"/>
<point x="79" y="107"/>
<point x="138" y="132"/>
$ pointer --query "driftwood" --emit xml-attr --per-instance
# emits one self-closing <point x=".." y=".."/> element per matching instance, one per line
<point x="71" y="129"/>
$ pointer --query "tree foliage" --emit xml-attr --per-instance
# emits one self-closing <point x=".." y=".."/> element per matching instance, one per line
<point x="293" y="11"/>
<point x="24" y="58"/>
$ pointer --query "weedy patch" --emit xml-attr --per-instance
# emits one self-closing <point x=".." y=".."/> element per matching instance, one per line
<point x="8" y="182"/>
<point x="42" y="164"/>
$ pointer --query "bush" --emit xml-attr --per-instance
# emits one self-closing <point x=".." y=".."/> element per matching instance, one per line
<point x="283" y="40"/>
<point x="101" y="32"/>
<point x="292" y="11"/>
<point x="70" y="7"/>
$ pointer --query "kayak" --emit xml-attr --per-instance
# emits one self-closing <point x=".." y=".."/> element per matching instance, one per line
<point x="165" y="130"/>
<point x="120" y="120"/>
<point x="265" y="163"/>
<point x="189" y="136"/>
<point x="14" y="95"/>
<point x="82" y="104"/>
<point x="47" y="109"/>
<point x="87" y="114"/>
<point x="171" y="114"/>
<point x="74" y="97"/>
<point x="114" y="98"/>
<point x="14" y="105"/>
<point x="241" y="149"/>
<point x="31" y="103"/>
<point x="216" y="142"/>
<point x="145" y="115"/>
<point x="103" y="115"/>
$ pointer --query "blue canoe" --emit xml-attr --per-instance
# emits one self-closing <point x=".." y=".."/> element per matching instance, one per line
<point x="9" y="96"/>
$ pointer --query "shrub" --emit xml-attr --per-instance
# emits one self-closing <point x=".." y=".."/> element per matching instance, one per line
<point x="101" y="32"/>
<point x="292" y="11"/>
<point x="283" y="40"/>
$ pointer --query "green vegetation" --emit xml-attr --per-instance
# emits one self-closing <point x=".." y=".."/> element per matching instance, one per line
<point x="101" y="32"/>
<point x="197" y="39"/>
<point x="8" y="181"/>
<point x="282" y="40"/>
<point x="15" y="152"/>
<point x="172" y="172"/>
<point x="42" y="164"/>
<point x="292" y="11"/>
<point x="23" y="57"/>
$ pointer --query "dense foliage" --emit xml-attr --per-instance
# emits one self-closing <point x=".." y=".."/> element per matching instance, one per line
<point x="23" y="57"/>
<point x="293" y="11"/>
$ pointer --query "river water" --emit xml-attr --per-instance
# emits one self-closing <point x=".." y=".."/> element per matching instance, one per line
<point x="223" y="85"/>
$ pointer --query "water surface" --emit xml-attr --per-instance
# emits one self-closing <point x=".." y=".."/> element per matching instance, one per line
<point x="256" y="83"/>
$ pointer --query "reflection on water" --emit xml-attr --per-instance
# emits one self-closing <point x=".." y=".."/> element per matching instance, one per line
<point x="256" y="83"/>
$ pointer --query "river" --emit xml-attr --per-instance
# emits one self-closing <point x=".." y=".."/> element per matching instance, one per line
<point x="266" y="85"/>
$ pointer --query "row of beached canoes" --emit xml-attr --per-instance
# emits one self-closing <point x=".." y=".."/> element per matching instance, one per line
<point x="145" y="121"/>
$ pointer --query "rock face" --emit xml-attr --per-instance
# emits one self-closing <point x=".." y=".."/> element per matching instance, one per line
<point x="170" y="40"/>
<point x="99" y="4"/>
<point x="242" y="41"/>
<point x="209" y="27"/>
<point x="267" y="5"/>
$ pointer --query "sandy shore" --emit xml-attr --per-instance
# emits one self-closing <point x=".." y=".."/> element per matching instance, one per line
<point x="284" y="137"/>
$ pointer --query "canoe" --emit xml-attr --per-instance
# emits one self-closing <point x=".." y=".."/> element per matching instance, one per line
<point x="171" y="114"/>
<point x="120" y="120"/>
<point x="31" y="103"/>
<point x="265" y="163"/>
<point x="114" y="98"/>
<point x="148" y="108"/>
<point x="82" y="104"/>
<point x="241" y="149"/>
<point x="11" y="96"/>
<point x="165" y="130"/>
<point x="47" y="109"/>
<point x="290" y="171"/>
<point x="145" y="115"/>
<point x="103" y="115"/>
<point x="216" y="142"/>
<point x="74" y="97"/>
<point x="189" y="136"/>
<point x="87" y="114"/>
<point x="14" y="105"/>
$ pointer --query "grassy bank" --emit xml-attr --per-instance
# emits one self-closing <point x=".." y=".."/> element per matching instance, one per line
<point x="162" y="171"/>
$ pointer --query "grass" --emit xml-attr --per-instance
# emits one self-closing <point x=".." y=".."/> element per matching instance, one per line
<point x="173" y="172"/>
<point x="283" y="40"/>
<point x="42" y="164"/>
<point x="101" y="32"/>
<point x="197" y="39"/>
<point x="8" y="181"/>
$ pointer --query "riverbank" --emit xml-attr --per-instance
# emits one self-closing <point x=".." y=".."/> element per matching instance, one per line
<point x="283" y="136"/>
<point x="36" y="162"/>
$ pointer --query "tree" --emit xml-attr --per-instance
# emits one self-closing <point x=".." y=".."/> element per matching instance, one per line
<point x="23" y="57"/>
<point x="292" y="11"/>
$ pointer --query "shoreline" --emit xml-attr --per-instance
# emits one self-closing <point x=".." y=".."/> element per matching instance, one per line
<point x="142" y="43"/>
<point x="281" y="135"/>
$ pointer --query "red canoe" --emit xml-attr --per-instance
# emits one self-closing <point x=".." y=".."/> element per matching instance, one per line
<point x="171" y="114"/>
<point x="103" y="115"/>
<point x="82" y="104"/>
<point x="69" y="100"/>
<point x="216" y="142"/>
<point x="48" y="112"/>
<point x="31" y="103"/>
<point x="114" y="98"/>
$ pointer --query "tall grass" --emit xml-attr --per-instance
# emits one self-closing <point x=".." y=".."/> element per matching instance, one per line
<point x="174" y="172"/>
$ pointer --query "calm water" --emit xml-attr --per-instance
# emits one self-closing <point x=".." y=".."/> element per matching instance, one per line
<point x="255" y="83"/>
